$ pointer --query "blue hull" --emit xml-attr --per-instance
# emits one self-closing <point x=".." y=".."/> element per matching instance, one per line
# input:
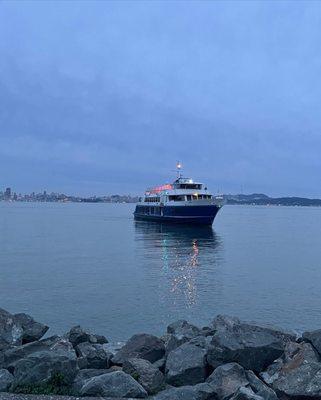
<point x="194" y="215"/>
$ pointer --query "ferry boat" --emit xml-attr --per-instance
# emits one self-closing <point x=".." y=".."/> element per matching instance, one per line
<point x="185" y="201"/>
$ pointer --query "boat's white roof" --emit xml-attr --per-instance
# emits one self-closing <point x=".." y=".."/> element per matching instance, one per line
<point x="171" y="189"/>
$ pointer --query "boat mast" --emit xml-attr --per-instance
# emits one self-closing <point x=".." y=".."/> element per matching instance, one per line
<point x="178" y="169"/>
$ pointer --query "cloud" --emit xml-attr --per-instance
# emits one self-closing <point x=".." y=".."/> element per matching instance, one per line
<point x="117" y="92"/>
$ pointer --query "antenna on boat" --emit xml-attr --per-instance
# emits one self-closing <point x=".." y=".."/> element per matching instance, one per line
<point x="178" y="169"/>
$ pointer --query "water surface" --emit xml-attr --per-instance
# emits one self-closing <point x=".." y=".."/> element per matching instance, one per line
<point x="93" y="264"/>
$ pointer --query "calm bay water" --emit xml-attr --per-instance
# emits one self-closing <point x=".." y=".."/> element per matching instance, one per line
<point x="92" y="264"/>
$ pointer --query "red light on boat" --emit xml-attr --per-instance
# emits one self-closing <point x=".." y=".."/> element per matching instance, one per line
<point x="158" y="189"/>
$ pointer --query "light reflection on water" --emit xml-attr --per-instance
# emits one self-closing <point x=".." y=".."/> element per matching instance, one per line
<point x="182" y="251"/>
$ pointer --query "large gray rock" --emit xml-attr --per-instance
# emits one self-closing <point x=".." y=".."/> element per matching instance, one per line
<point x="252" y="346"/>
<point x="181" y="393"/>
<point x="14" y="354"/>
<point x="180" y="332"/>
<point x="183" y="328"/>
<point x="6" y="380"/>
<point x="32" y="330"/>
<point x="3" y="346"/>
<point x="160" y="364"/>
<point x="19" y="329"/>
<point x="11" y="332"/>
<point x="40" y="367"/>
<point x="227" y="379"/>
<point x="145" y="373"/>
<point x="201" y="391"/>
<point x="259" y="388"/>
<point x="171" y="342"/>
<point x="114" y="384"/>
<point x="84" y="374"/>
<point x="313" y="337"/>
<point x="244" y="393"/>
<point x="201" y="341"/>
<point x="78" y="335"/>
<point x="207" y="331"/>
<point x="226" y="322"/>
<point x="204" y="391"/>
<point x="297" y="373"/>
<point x="93" y="355"/>
<point x="145" y="346"/>
<point x="186" y="365"/>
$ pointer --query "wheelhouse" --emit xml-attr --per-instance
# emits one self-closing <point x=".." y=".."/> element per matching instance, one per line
<point x="187" y="183"/>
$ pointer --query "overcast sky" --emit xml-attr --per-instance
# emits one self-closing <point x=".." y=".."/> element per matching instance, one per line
<point x="104" y="97"/>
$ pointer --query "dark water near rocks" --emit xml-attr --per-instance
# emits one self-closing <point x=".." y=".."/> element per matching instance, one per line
<point x="92" y="264"/>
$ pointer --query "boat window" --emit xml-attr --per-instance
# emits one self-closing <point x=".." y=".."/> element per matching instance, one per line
<point x="190" y="186"/>
<point x="189" y="197"/>
<point x="177" y="198"/>
<point x="195" y="197"/>
<point x="152" y="199"/>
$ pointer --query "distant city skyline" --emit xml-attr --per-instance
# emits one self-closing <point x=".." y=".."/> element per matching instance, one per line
<point x="10" y="195"/>
<point x="259" y="199"/>
<point x="104" y="97"/>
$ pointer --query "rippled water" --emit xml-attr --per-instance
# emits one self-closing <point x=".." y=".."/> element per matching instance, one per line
<point x="93" y="264"/>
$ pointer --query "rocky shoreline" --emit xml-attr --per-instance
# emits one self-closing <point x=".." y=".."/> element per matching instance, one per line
<point x="228" y="359"/>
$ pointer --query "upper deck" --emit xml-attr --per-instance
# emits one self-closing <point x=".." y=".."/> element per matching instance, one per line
<point x="180" y="184"/>
<point x="184" y="191"/>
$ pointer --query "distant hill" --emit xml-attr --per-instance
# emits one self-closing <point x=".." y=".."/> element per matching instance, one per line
<point x="263" y="199"/>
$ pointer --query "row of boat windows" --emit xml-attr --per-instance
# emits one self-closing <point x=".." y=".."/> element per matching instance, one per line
<point x="188" y="197"/>
<point x="150" y="210"/>
<point x="189" y="186"/>
<point x="152" y="200"/>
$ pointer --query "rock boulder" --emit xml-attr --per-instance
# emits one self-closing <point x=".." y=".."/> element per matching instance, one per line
<point x="84" y="374"/>
<point x="251" y="346"/>
<point x="6" y="380"/>
<point x="31" y="330"/>
<point x="41" y="366"/>
<point x="313" y="337"/>
<point x="78" y="335"/>
<point x="16" y="353"/>
<point x="259" y="388"/>
<point x="180" y="332"/>
<point x="244" y="393"/>
<point x="93" y="355"/>
<point x="201" y="391"/>
<point x="186" y="365"/>
<point x="19" y="329"/>
<point x="145" y="373"/>
<point x="227" y="379"/>
<point x="183" y="328"/>
<point x="297" y="374"/>
<point x="114" y="384"/>
<point x="144" y="346"/>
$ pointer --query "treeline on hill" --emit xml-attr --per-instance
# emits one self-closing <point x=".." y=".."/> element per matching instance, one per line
<point x="263" y="199"/>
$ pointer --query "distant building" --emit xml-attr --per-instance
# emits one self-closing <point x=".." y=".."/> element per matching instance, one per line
<point x="7" y="194"/>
